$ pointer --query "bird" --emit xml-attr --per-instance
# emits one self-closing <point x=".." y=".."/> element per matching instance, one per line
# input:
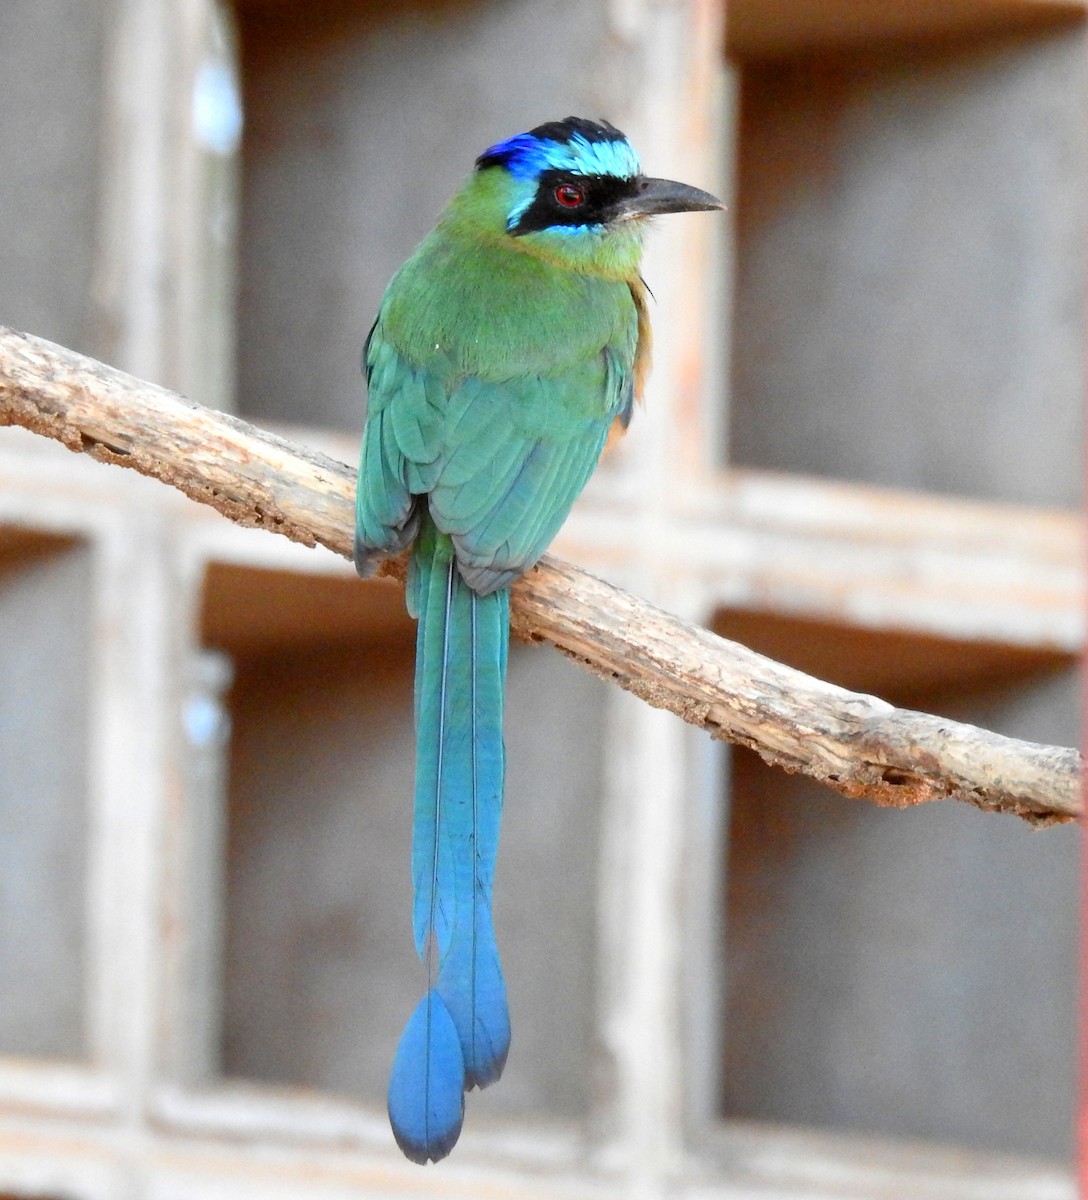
<point x="505" y="350"/>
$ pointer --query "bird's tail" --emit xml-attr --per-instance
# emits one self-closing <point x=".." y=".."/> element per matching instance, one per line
<point x="459" y="1034"/>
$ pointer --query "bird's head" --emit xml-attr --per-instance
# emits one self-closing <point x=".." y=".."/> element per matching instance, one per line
<point x="572" y="191"/>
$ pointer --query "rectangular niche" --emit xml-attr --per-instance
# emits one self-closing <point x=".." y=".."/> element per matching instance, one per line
<point x="906" y="973"/>
<point x="909" y="291"/>
<point x="318" y="968"/>
<point x="46" y="602"/>
<point x="361" y="120"/>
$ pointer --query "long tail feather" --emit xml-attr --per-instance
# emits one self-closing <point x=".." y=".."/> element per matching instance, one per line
<point x="426" y="1086"/>
<point x="460" y="679"/>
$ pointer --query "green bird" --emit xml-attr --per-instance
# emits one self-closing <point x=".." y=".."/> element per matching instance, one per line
<point x="505" y="350"/>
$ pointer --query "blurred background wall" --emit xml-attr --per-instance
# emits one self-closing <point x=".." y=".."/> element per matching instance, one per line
<point x="862" y="455"/>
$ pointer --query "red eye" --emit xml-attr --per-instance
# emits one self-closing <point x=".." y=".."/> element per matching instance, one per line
<point x="569" y="195"/>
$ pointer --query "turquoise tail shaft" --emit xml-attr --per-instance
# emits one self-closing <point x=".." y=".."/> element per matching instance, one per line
<point x="459" y="1034"/>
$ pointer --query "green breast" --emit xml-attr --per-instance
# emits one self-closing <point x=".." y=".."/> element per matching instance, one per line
<point x="464" y="306"/>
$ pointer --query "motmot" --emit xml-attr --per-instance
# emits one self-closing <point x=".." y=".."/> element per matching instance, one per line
<point x="505" y="349"/>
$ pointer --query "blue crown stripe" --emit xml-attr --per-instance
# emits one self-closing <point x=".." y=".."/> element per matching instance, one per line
<point x="527" y="156"/>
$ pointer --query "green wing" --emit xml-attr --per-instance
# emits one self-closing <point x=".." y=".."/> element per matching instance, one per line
<point x="405" y="413"/>
<point x="500" y="461"/>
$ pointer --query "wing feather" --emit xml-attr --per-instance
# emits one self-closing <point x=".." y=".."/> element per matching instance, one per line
<point x="500" y="461"/>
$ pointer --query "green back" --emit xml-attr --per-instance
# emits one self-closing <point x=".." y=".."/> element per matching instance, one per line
<point x="494" y="376"/>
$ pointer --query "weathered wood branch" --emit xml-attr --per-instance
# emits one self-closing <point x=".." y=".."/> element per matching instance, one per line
<point x="857" y="744"/>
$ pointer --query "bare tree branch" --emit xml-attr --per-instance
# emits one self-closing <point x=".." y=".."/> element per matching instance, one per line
<point x="857" y="744"/>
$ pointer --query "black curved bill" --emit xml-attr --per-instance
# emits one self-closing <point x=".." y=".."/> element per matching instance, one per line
<point x="655" y="196"/>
